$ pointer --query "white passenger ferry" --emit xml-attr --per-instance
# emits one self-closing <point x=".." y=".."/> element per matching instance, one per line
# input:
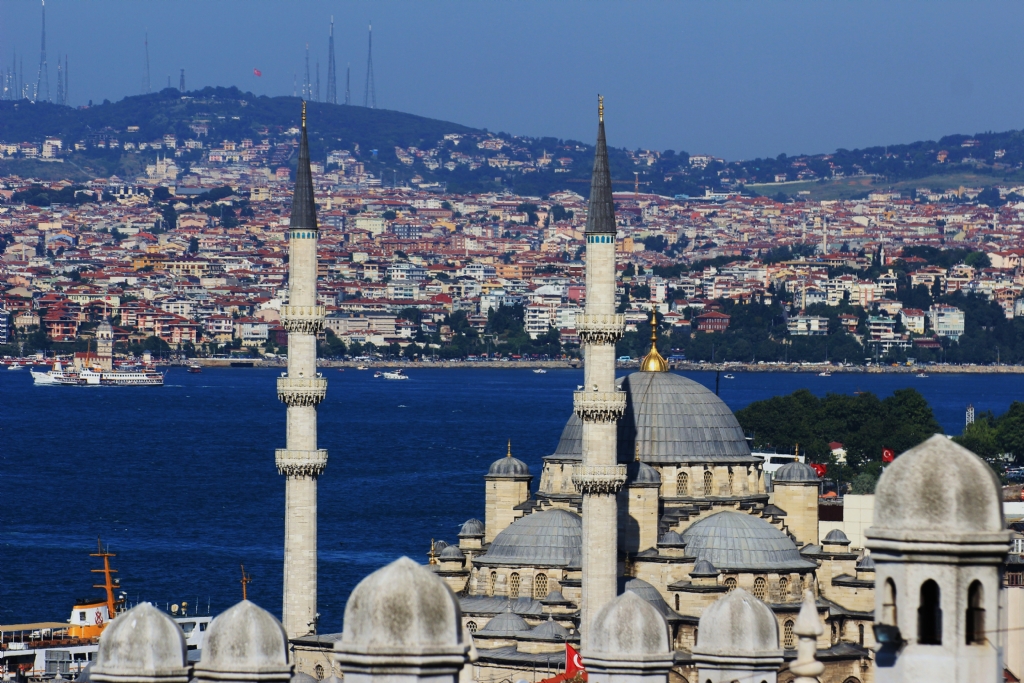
<point x="97" y="376"/>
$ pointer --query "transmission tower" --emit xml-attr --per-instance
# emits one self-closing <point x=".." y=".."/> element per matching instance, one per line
<point x="348" y="83"/>
<point x="145" y="74"/>
<point x="43" y="79"/>
<point x="306" y="85"/>
<point x="67" y="92"/>
<point x="316" y="88"/>
<point x="60" y="82"/>
<point x="370" y="95"/>
<point x="181" y="81"/>
<point x="332" y="76"/>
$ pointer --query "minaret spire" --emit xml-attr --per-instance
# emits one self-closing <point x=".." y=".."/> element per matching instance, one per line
<point x="600" y="403"/>
<point x="301" y="389"/>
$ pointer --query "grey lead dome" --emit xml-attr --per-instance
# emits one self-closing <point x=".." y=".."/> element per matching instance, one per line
<point x="508" y="467"/>
<point x="739" y="541"/>
<point x="795" y="472"/>
<point x="548" y="538"/>
<point x="246" y="639"/>
<point x="739" y="623"/>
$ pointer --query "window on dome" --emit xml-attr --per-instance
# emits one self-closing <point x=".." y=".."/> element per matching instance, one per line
<point x="319" y="671"/>
<point x="513" y="585"/>
<point x="759" y="588"/>
<point x="492" y="584"/>
<point x="783" y="589"/>
<point x="471" y="626"/>
<point x="929" y="615"/>
<point x="709" y="482"/>
<point x="540" y="586"/>
<point x="976" y="614"/>
<point x="787" y="636"/>
<point x="682" y="484"/>
<point x="730" y="480"/>
<point x="730" y="583"/>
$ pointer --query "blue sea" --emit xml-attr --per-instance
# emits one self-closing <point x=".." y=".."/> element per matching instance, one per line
<point x="180" y="480"/>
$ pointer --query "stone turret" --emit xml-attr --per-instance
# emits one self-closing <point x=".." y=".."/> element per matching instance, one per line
<point x="245" y="644"/>
<point x="629" y="643"/>
<point x="739" y="641"/>
<point x="301" y="389"/>
<point x="508" y="485"/>
<point x="599" y="404"/>
<point x="796" y="491"/>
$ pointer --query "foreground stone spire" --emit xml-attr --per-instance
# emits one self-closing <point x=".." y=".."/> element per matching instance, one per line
<point x="599" y="404"/>
<point x="301" y="389"/>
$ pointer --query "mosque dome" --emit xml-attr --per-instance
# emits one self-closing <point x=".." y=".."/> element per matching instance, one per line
<point x="472" y="527"/>
<point x="505" y="624"/>
<point x="738" y="623"/>
<point x="737" y="541"/>
<point x="642" y="474"/>
<point x="836" y="537"/>
<point x="141" y="639"/>
<point x="941" y="488"/>
<point x="703" y="568"/>
<point x="452" y="553"/>
<point x="245" y="639"/>
<point x="671" y="539"/>
<point x="570" y="444"/>
<point x="651" y="595"/>
<point x="795" y="472"/>
<point x="629" y="626"/>
<point x="866" y="564"/>
<point x="548" y="630"/>
<point x="548" y="538"/>
<point x="508" y="466"/>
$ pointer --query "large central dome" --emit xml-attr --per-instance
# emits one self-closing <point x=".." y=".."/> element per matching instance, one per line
<point x="737" y="541"/>
<point x="670" y="419"/>
<point x="548" y="538"/>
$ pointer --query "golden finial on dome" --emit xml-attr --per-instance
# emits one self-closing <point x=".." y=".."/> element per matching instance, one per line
<point x="303" y="113"/>
<point x="600" y="108"/>
<point x="653" y="362"/>
<point x="509" y="454"/>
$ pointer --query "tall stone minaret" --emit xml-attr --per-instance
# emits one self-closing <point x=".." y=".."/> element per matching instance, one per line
<point x="599" y="404"/>
<point x="301" y="389"/>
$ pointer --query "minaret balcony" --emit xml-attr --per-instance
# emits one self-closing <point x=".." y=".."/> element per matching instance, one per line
<point x="589" y="479"/>
<point x="600" y="328"/>
<point x="293" y="463"/>
<point x="301" y="391"/>
<point x="303" y="319"/>
<point x="599" y="406"/>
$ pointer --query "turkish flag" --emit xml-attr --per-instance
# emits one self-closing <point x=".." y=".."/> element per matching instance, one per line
<point x="820" y="469"/>
<point x="257" y="72"/>
<point x="888" y="455"/>
<point x="573" y="662"/>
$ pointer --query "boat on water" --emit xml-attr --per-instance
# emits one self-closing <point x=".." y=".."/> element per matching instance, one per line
<point x="394" y="374"/>
<point x="921" y="375"/>
<point x="540" y="371"/>
<point x="360" y="367"/>
<point x="378" y="374"/>
<point x="97" y="376"/>
<point x="15" y="366"/>
<point x="44" y="650"/>
<point x="824" y="373"/>
<point x="195" y="368"/>
<point x="729" y="376"/>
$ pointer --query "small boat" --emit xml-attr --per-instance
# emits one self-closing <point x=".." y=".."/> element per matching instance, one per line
<point x="397" y="374"/>
<point x="360" y="367"/>
<point x="15" y="366"/>
<point x="540" y="371"/>
<point x="921" y="375"/>
<point x="825" y="373"/>
<point x="378" y="374"/>
<point x="729" y="376"/>
<point x="195" y="368"/>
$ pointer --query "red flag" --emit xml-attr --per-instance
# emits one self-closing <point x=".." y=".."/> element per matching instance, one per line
<point x="257" y="72"/>
<point x="820" y="469"/>
<point x="888" y="455"/>
<point x="573" y="662"/>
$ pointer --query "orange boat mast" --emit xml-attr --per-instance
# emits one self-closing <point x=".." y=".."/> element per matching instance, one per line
<point x="245" y="580"/>
<point x="108" y="581"/>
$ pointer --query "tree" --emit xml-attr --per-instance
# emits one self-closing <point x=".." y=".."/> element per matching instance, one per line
<point x="193" y="245"/>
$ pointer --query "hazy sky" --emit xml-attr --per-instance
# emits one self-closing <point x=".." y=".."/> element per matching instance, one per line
<point x="735" y="79"/>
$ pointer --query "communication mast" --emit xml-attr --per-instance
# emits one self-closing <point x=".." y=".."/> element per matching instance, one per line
<point x="348" y="83"/>
<point x="370" y="95"/>
<point x="181" y="81"/>
<point x="307" y="87"/>
<point x="332" y="76"/>
<point x="43" y="79"/>
<point x="145" y="72"/>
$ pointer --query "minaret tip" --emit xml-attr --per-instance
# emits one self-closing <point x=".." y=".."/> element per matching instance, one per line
<point x="600" y="108"/>
<point x="509" y="454"/>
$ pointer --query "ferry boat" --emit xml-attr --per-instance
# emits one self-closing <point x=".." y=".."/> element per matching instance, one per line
<point x="97" y="376"/>
<point x="396" y="374"/>
<point x="56" y="376"/>
<point x="44" y="650"/>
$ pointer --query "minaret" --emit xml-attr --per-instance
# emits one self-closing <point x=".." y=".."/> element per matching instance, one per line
<point x="301" y="389"/>
<point x="599" y="404"/>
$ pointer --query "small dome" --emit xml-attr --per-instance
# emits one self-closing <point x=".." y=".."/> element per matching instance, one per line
<point x="143" y="644"/>
<point x="570" y="443"/>
<point x="437" y="547"/>
<point x="641" y="474"/>
<point x="555" y="598"/>
<point x="549" y="538"/>
<point x="402" y="607"/>
<point x="671" y="539"/>
<point x="835" y="537"/>
<point x="738" y="624"/>
<point x="629" y="625"/>
<point x="741" y="541"/>
<point x="508" y="467"/>
<point x="938" y="489"/>
<point x="505" y="624"/>
<point x="472" y="527"/>
<point x="704" y="568"/>
<point x="866" y="564"/>
<point x="795" y="472"/>
<point x="245" y="639"/>
<point x="452" y="553"/>
<point x="549" y="630"/>
<point x="651" y="595"/>
<point x="302" y="677"/>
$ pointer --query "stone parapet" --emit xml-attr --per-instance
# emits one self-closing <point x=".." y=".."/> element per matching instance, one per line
<point x="600" y="328"/>
<point x="599" y="406"/>
<point x="293" y="463"/>
<point x="303" y="319"/>
<point x="301" y="391"/>
<point x="598" y="478"/>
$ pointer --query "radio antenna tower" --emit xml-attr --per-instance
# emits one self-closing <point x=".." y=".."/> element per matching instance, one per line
<point x="145" y="74"/>
<point x="60" y="83"/>
<point x="306" y="85"/>
<point x="348" y="83"/>
<point x="181" y="81"/>
<point x="316" y="88"/>
<point x="67" y="93"/>
<point x="370" y="95"/>
<point x="43" y="79"/>
<point x="332" y="76"/>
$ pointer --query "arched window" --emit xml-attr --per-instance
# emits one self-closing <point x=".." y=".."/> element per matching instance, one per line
<point x="471" y="626"/>
<point x="677" y="602"/>
<point x="759" y="588"/>
<point x="513" y="585"/>
<point x="929" y="615"/>
<point x="889" y="603"/>
<point x="695" y="629"/>
<point x="860" y="634"/>
<point x="798" y="586"/>
<point x="976" y="614"/>
<point x="730" y="480"/>
<point x="783" y="589"/>
<point x="318" y="670"/>
<point x="540" y="586"/>
<point x="492" y="583"/>
<point x="730" y="583"/>
<point x="835" y="633"/>
<point x="709" y="483"/>
<point x="682" y="484"/>
<point x="787" y="635"/>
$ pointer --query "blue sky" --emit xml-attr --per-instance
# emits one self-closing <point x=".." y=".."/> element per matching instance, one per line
<point x="730" y="78"/>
